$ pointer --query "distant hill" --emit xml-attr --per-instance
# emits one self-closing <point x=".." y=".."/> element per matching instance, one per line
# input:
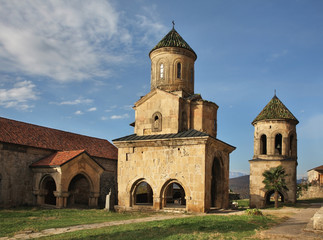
<point x="240" y="185"/>
<point x="236" y="174"/>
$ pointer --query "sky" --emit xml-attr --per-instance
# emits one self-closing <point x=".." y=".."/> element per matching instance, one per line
<point x="79" y="66"/>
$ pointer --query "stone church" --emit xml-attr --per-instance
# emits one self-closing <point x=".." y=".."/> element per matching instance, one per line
<point x="173" y="159"/>
<point x="41" y="165"/>
<point x="275" y="143"/>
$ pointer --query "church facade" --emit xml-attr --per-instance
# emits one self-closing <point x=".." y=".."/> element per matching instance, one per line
<point x="173" y="159"/>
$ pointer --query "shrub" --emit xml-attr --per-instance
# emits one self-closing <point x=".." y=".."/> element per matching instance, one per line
<point x="254" y="212"/>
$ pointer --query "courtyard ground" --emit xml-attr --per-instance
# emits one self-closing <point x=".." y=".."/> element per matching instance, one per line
<point x="295" y="223"/>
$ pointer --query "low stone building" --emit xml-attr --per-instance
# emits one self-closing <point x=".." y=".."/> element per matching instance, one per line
<point x="173" y="159"/>
<point x="41" y="165"/>
<point x="315" y="175"/>
<point x="275" y="143"/>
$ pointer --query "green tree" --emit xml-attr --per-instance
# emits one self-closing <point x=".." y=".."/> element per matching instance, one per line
<point x="275" y="180"/>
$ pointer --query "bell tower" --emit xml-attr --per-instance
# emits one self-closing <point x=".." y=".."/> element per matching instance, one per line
<point x="275" y="143"/>
<point x="172" y="65"/>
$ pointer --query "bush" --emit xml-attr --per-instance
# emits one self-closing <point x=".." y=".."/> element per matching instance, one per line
<point x="254" y="212"/>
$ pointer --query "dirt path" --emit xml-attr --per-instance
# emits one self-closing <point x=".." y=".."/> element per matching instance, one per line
<point x="298" y="226"/>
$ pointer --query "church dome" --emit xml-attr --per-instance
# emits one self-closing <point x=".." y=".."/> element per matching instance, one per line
<point x="173" y="39"/>
<point x="275" y="110"/>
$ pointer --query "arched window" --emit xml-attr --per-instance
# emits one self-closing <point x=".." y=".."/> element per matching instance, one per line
<point x="278" y="144"/>
<point x="143" y="194"/>
<point x="175" y="196"/>
<point x="179" y="70"/>
<point x="162" y="71"/>
<point x="263" y="144"/>
<point x="156" y="122"/>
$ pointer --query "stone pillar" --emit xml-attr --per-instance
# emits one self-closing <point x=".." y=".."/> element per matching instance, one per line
<point x="157" y="203"/>
<point x="93" y="199"/>
<point x="61" y="199"/>
<point x="40" y="195"/>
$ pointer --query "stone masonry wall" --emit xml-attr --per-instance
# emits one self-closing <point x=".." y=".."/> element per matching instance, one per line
<point x="16" y="176"/>
<point x="160" y="161"/>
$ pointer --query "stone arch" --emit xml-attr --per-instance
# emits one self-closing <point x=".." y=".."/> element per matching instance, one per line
<point x="141" y="193"/>
<point x="47" y="185"/>
<point x="269" y="194"/>
<point x="263" y="144"/>
<point x="217" y="182"/>
<point x="156" y="124"/>
<point x="80" y="188"/>
<point x="173" y="194"/>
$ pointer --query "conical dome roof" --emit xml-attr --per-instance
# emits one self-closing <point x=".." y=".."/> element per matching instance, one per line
<point x="173" y="39"/>
<point x="275" y="109"/>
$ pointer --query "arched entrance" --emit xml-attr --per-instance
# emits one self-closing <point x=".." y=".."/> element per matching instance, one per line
<point x="270" y="200"/>
<point x="79" y="190"/>
<point x="216" y="183"/>
<point x="49" y="187"/>
<point x="174" y="196"/>
<point x="143" y="194"/>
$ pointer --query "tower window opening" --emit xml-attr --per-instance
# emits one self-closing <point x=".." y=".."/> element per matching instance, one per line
<point x="278" y="144"/>
<point x="179" y="70"/>
<point x="156" y="122"/>
<point x="214" y="124"/>
<point x="263" y="144"/>
<point x="161" y="71"/>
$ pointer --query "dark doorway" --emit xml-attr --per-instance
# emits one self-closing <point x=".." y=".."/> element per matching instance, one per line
<point x="79" y="189"/>
<point x="175" y="195"/>
<point x="49" y="186"/>
<point x="143" y="194"/>
<point x="216" y="183"/>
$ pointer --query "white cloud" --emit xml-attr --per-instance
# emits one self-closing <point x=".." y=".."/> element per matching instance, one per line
<point x="71" y="40"/>
<point x="19" y="96"/>
<point x="78" y="112"/>
<point x="104" y="118"/>
<point x="312" y="127"/>
<point x="119" y="116"/>
<point x="63" y="40"/>
<point x="92" y="109"/>
<point x="75" y="102"/>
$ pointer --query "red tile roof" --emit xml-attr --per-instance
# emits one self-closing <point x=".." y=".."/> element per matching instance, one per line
<point x="26" y="134"/>
<point x="58" y="158"/>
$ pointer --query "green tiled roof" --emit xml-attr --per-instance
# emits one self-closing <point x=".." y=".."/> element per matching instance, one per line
<point x="275" y="109"/>
<point x="173" y="39"/>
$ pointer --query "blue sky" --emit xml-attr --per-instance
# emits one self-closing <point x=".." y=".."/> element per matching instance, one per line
<point x="79" y="66"/>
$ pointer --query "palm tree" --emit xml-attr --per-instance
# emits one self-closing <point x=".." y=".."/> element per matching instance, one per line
<point x="275" y="180"/>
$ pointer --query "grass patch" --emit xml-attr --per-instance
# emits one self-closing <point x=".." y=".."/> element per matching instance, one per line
<point x="36" y="219"/>
<point x="198" y="227"/>
<point x="310" y="200"/>
<point x="243" y="203"/>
